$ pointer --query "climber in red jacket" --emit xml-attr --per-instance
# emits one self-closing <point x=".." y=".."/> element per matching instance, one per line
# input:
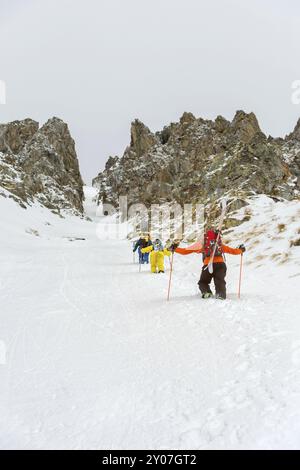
<point x="212" y="246"/>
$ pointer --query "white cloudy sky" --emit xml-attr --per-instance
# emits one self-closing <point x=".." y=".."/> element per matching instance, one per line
<point x="98" y="64"/>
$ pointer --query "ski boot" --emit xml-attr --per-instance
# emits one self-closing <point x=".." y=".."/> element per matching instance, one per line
<point x="219" y="297"/>
<point x="207" y="295"/>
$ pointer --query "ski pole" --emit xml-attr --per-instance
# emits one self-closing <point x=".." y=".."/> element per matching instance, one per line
<point x="240" y="279"/>
<point x="170" y="276"/>
<point x="133" y="249"/>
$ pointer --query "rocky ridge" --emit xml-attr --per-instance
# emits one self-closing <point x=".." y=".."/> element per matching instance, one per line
<point x="198" y="160"/>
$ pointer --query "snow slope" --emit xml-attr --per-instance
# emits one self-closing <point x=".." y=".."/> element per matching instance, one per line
<point x="97" y="358"/>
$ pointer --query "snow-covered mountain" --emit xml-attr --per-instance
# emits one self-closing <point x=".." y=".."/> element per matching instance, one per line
<point x="93" y="356"/>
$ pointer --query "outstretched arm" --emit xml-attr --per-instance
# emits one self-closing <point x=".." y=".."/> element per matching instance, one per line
<point x="231" y="251"/>
<point x="147" y="249"/>
<point x="187" y="251"/>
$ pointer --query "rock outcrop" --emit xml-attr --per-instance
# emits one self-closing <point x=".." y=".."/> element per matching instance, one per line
<point x="40" y="164"/>
<point x="197" y="160"/>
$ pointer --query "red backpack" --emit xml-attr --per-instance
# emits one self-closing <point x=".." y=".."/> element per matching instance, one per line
<point x="210" y="239"/>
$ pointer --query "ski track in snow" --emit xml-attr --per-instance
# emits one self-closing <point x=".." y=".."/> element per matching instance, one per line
<point x="97" y="358"/>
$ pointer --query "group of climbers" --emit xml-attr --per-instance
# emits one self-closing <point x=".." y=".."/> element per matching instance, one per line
<point x="213" y="255"/>
<point x="157" y="252"/>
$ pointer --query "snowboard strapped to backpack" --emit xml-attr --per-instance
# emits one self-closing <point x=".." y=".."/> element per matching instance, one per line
<point x="212" y="240"/>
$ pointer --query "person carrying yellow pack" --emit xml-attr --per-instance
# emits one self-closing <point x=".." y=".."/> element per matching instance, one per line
<point x="157" y="256"/>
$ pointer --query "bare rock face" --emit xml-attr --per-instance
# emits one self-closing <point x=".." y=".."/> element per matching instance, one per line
<point x="13" y="136"/>
<point x="141" y="138"/>
<point x="197" y="160"/>
<point x="41" y="164"/>
<point x="245" y="126"/>
<point x="291" y="152"/>
<point x="295" y="135"/>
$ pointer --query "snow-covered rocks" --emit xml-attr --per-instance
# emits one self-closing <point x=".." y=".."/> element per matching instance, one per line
<point x="40" y="165"/>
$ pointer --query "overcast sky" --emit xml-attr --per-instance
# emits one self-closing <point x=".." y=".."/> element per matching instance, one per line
<point x="98" y="64"/>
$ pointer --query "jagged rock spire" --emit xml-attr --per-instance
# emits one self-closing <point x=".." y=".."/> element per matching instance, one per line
<point x="296" y="132"/>
<point x="41" y="164"/>
<point x="245" y="125"/>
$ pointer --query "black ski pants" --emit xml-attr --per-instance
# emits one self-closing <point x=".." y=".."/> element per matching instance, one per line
<point x="218" y="275"/>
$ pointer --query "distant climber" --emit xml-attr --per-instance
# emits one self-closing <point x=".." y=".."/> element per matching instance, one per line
<point x="212" y="245"/>
<point x="157" y="253"/>
<point x="142" y="242"/>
